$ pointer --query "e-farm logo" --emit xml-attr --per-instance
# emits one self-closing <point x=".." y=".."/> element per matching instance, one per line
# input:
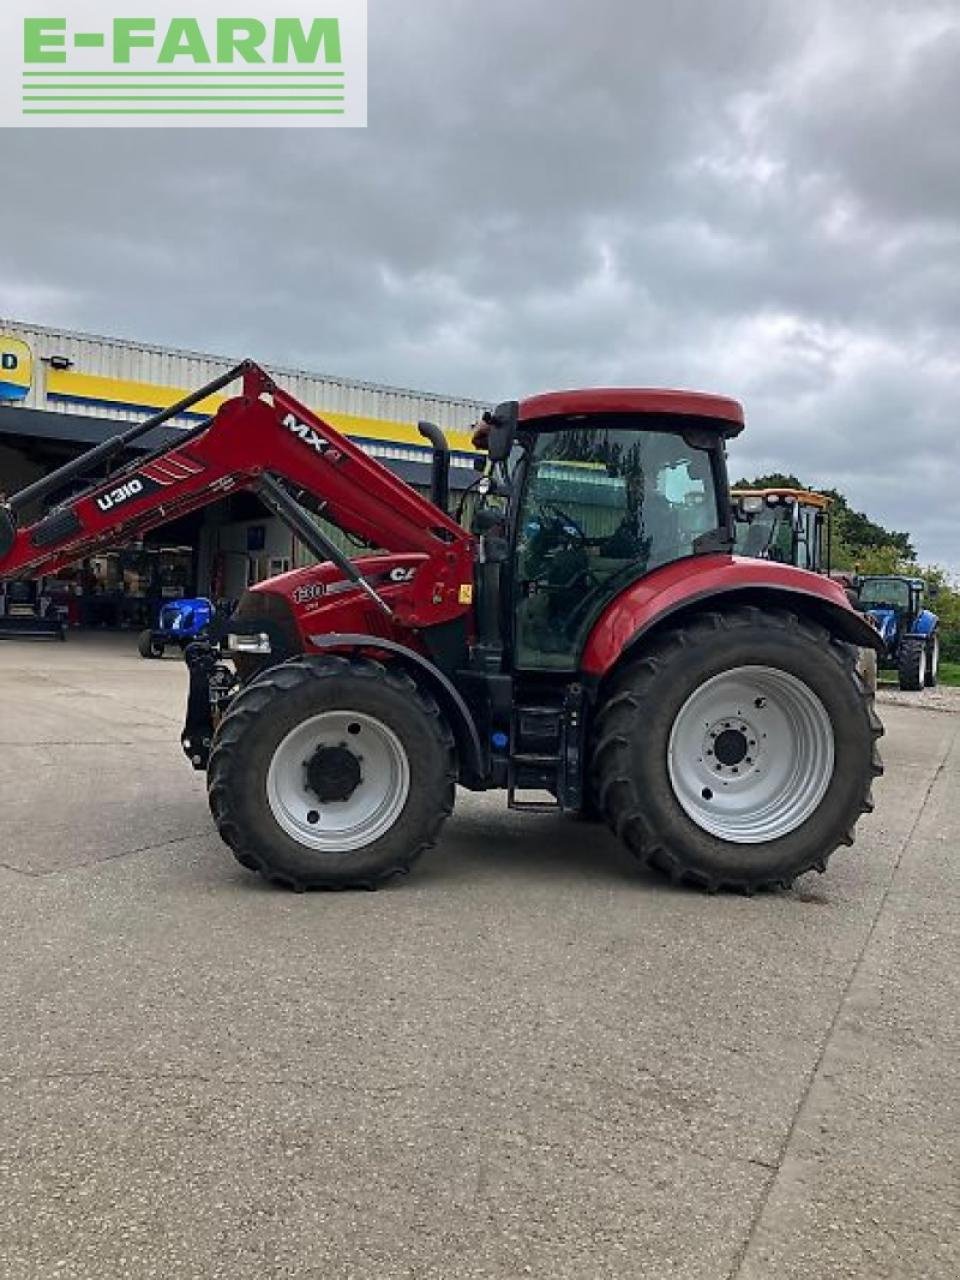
<point x="107" y="62"/>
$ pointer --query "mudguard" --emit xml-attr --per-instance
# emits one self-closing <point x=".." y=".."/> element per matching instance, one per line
<point x="471" y="755"/>
<point x="695" y="582"/>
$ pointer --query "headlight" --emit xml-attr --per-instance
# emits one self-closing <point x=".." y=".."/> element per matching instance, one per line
<point x="256" y="642"/>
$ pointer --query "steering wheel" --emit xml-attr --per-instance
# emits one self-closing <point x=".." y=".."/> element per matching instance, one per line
<point x="567" y="521"/>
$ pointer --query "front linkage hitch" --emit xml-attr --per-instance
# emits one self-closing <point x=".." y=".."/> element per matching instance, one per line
<point x="212" y="685"/>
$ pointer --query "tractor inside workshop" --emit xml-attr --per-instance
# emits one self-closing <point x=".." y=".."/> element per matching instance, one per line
<point x="179" y="623"/>
<point x="589" y="644"/>
<point x="909" y="632"/>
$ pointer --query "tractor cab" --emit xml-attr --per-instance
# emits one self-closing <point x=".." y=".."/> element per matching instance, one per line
<point x="790" y="526"/>
<point x="594" y="490"/>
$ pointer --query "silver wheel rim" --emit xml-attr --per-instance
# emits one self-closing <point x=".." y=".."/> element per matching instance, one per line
<point x="786" y="739"/>
<point x="372" y="808"/>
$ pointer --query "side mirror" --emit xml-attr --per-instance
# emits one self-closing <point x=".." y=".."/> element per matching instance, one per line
<point x="933" y="590"/>
<point x="8" y="531"/>
<point x="503" y="430"/>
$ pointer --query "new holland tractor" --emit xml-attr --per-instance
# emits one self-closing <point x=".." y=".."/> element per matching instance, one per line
<point x="909" y="632"/>
<point x="589" y="644"/>
<point x="179" y="623"/>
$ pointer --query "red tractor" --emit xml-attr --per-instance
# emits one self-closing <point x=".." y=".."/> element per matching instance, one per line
<point x="589" y="644"/>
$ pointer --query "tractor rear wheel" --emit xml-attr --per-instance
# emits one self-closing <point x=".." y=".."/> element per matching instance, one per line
<point x="933" y="661"/>
<point x="738" y="752"/>
<point x="912" y="664"/>
<point x="331" y="773"/>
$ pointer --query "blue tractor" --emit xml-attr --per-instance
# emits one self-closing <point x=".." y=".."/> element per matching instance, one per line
<point x="180" y="623"/>
<point x="911" y="639"/>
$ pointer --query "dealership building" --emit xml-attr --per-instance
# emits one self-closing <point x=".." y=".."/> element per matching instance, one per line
<point x="62" y="392"/>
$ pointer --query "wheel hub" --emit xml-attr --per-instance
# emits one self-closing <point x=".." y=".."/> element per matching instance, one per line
<point x="751" y="754"/>
<point x="731" y="747"/>
<point x="338" y="781"/>
<point x="333" y="773"/>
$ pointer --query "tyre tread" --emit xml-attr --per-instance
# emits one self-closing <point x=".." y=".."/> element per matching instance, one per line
<point x="251" y="702"/>
<point x="615" y="787"/>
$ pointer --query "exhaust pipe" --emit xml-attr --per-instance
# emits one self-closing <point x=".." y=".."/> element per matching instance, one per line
<point x="8" y="531"/>
<point x="440" y="472"/>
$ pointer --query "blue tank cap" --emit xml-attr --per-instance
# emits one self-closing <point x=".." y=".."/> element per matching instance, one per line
<point x="499" y="740"/>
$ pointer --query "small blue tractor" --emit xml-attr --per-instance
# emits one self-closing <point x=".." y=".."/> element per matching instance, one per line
<point x="180" y="623"/>
<point x="910" y="634"/>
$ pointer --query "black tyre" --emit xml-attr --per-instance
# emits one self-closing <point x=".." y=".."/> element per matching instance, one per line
<point x="331" y="773"/>
<point x="738" y="751"/>
<point x="933" y="661"/>
<point x="912" y="664"/>
<point x="148" y="647"/>
<point x="868" y="669"/>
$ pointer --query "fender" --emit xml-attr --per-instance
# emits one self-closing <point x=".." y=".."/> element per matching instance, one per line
<point x="700" y="580"/>
<point x="924" y="624"/>
<point x="473" y="768"/>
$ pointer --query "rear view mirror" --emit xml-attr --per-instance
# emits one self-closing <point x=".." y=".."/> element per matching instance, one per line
<point x="502" y="425"/>
<point x="933" y="590"/>
<point x="8" y="531"/>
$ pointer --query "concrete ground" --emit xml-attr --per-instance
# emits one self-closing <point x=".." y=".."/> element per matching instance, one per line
<point x="528" y="1059"/>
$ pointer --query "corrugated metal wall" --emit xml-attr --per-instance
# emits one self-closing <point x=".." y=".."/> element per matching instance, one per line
<point x="139" y="362"/>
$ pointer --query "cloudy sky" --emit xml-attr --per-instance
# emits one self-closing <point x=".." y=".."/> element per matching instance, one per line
<point x="756" y="197"/>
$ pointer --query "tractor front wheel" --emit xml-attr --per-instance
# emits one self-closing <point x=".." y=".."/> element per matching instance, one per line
<point x="331" y="773"/>
<point x="912" y="663"/>
<point x="738" y="752"/>
<point x="148" y="647"/>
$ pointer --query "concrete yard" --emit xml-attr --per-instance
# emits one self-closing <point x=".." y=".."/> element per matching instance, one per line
<point x="526" y="1059"/>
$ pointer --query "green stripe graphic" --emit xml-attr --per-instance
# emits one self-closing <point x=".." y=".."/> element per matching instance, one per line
<point x="177" y="111"/>
<point x="107" y="93"/>
<point x="175" y="88"/>
<point x="182" y="97"/>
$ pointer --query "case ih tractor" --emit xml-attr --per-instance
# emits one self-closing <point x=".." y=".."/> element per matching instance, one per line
<point x="909" y="632"/>
<point x="589" y="644"/>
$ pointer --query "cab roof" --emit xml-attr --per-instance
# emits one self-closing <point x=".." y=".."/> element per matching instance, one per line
<point x="717" y="412"/>
<point x="798" y="495"/>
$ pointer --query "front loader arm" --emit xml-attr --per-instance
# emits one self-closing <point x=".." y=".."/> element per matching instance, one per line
<point x="255" y="441"/>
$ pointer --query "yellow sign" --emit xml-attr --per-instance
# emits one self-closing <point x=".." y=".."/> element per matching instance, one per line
<point x="69" y="386"/>
<point x="16" y="368"/>
<point x="466" y="593"/>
